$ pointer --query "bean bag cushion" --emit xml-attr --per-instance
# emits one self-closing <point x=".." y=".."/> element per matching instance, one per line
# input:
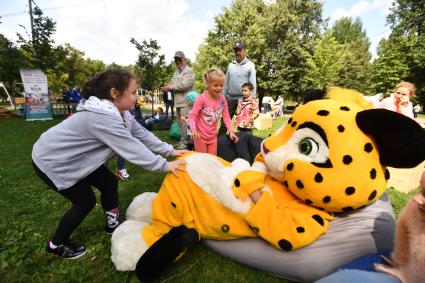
<point x="351" y="235"/>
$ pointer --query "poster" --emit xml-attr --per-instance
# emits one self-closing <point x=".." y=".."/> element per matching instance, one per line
<point x="36" y="95"/>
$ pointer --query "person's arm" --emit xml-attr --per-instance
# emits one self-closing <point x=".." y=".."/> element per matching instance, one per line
<point x="112" y="132"/>
<point x="150" y="140"/>
<point x="253" y="79"/>
<point x="238" y="109"/>
<point x="254" y="109"/>
<point x="185" y="83"/>
<point x="226" y="116"/>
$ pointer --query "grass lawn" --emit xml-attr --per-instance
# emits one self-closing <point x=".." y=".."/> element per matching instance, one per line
<point x="30" y="212"/>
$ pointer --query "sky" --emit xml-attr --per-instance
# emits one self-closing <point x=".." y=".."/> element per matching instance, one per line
<point x="102" y="28"/>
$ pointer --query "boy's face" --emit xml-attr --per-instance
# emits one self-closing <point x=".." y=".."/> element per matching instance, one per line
<point x="246" y="92"/>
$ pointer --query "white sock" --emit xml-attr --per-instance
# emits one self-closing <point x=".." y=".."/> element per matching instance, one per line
<point x="52" y="246"/>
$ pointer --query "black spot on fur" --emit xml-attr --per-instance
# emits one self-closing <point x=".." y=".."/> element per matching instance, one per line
<point x="372" y="195"/>
<point x="308" y="201"/>
<point x="285" y="245"/>
<point x="237" y="183"/>
<point x="300" y="185"/>
<point x="387" y="174"/>
<point x="318" y="178"/>
<point x="225" y="228"/>
<point x="373" y="173"/>
<point x="173" y="204"/>
<point x="290" y="166"/>
<point x="285" y="183"/>
<point x="290" y="120"/>
<point x="326" y="199"/>
<point x="347" y="208"/>
<point x="347" y="159"/>
<point x="368" y="147"/>
<point x="350" y="190"/>
<point x="344" y="108"/>
<point x="293" y="124"/>
<point x="300" y="229"/>
<point x="323" y="113"/>
<point x="319" y="219"/>
<point x="341" y="128"/>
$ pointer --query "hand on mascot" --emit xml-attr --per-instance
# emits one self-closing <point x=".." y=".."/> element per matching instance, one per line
<point x="255" y="196"/>
<point x="177" y="153"/>
<point x="175" y="165"/>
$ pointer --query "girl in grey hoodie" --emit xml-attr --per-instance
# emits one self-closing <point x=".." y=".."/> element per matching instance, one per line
<point x="70" y="156"/>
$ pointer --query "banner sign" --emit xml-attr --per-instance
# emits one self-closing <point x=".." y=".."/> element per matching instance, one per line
<point x="36" y="95"/>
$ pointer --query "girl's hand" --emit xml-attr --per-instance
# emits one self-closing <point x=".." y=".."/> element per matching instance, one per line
<point x="234" y="137"/>
<point x="175" y="165"/>
<point x="255" y="196"/>
<point x="177" y="153"/>
<point x="195" y="135"/>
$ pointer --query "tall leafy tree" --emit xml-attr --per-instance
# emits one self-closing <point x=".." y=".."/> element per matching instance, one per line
<point x="407" y="20"/>
<point x="326" y="63"/>
<point x="357" y="67"/>
<point x="11" y="59"/>
<point x="275" y="36"/>
<point x="40" y="46"/>
<point x="150" y="64"/>
<point x="389" y="68"/>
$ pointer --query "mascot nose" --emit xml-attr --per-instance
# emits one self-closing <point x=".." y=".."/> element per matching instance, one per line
<point x="265" y="149"/>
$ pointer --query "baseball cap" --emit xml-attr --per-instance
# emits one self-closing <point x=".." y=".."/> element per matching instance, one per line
<point x="239" y="46"/>
<point x="179" y="54"/>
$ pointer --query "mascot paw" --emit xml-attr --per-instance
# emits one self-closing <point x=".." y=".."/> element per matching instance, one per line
<point x="165" y="251"/>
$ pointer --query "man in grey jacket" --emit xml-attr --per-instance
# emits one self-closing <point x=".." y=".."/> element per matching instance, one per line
<point x="240" y="71"/>
<point x="182" y="82"/>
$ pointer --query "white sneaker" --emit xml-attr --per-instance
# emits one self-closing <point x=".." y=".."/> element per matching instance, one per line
<point x="122" y="174"/>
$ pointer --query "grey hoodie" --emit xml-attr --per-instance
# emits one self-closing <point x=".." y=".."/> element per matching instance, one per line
<point x="237" y="74"/>
<point x="76" y="147"/>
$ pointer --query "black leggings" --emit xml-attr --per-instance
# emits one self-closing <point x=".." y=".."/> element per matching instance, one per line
<point x="83" y="199"/>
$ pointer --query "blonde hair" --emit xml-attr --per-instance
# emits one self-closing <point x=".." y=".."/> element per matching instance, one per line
<point x="411" y="87"/>
<point x="213" y="72"/>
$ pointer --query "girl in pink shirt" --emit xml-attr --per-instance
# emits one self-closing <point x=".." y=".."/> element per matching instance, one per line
<point x="207" y="111"/>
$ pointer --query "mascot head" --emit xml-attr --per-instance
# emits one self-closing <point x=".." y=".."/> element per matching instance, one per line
<point x="332" y="151"/>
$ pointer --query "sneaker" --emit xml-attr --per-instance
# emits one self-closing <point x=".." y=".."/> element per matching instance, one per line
<point x="112" y="220"/>
<point x="182" y="146"/>
<point x="68" y="250"/>
<point x="122" y="174"/>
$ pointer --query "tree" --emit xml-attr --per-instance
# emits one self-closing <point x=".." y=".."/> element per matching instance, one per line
<point x="356" y="70"/>
<point x="11" y="60"/>
<point x="389" y="68"/>
<point x="275" y="36"/>
<point x="407" y="20"/>
<point x="150" y="64"/>
<point x="326" y="63"/>
<point x="40" y="49"/>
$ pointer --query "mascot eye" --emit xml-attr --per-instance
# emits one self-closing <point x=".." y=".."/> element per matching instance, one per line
<point x="308" y="146"/>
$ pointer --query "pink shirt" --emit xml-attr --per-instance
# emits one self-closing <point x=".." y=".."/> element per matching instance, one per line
<point x="206" y="113"/>
<point x="389" y="104"/>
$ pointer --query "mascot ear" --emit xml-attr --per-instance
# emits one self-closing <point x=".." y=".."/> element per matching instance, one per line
<point x="400" y="140"/>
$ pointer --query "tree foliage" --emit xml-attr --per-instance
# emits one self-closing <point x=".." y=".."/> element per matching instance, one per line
<point x="326" y="63"/>
<point x="356" y="70"/>
<point x="276" y="35"/>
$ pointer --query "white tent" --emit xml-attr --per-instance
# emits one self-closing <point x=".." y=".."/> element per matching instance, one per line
<point x="7" y="93"/>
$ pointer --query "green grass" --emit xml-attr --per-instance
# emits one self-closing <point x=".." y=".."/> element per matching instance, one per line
<point x="30" y="212"/>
